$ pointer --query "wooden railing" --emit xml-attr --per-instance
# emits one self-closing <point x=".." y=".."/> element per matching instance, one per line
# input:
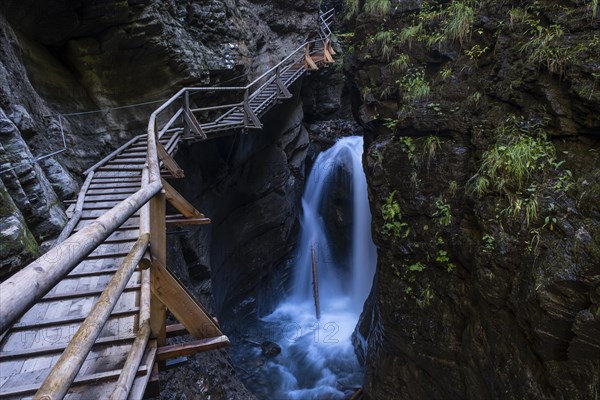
<point x="29" y="285"/>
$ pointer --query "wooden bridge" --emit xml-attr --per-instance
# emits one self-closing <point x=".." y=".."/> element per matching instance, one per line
<point x="87" y="320"/>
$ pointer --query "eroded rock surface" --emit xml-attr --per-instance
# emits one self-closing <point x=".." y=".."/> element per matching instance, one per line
<point x="481" y="291"/>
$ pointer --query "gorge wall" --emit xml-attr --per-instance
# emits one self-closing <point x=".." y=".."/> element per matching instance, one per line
<point x="482" y="156"/>
<point x="68" y="57"/>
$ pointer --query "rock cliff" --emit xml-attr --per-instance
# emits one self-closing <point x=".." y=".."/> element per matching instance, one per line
<point x="68" y="58"/>
<point x="482" y="159"/>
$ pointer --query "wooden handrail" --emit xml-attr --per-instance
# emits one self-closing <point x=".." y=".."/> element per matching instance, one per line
<point x="68" y="229"/>
<point x="65" y="370"/>
<point x="27" y="286"/>
<point x="134" y="358"/>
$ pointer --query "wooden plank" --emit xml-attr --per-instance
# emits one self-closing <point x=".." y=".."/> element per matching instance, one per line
<point x="121" y="167"/>
<point x="169" y="162"/>
<point x="107" y="186"/>
<point x="118" y="197"/>
<point x="101" y="205"/>
<point x="113" y="154"/>
<point x="107" y="341"/>
<point x="118" y="175"/>
<point x="129" y="160"/>
<point x="82" y="293"/>
<point x="182" y="304"/>
<point x="91" y="378"/>
<point x="189" y="348"/>
<point x="67" y="320"/>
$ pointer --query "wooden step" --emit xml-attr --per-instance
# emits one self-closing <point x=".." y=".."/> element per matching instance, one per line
<point x="67" y="320"/>
<point x="9" y="355"/>
<point x="20" y="391"/>
<point x="83" y="293"/>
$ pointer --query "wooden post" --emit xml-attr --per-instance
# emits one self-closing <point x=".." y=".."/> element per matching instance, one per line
<point x="186" y="110"/>
<point x="249" y="115"/>
<point x="282" y="90"/>
<point x="158" y="249"/>
<point x="313" y="251"/>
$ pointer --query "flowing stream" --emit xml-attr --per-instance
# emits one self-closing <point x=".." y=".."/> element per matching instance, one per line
<point x="317" y="360"/>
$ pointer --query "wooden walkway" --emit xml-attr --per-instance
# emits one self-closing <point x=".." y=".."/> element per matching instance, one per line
<point x="87" y="319"/>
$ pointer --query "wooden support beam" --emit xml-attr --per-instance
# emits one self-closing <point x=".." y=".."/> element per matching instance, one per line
<point x="196" y="346"/>
<point x="330" y="48"/>
<point x="175" y="330"/>
<point x="179" y="202"/>
<point x="169" y="162"/>
<point x="282" y="90"/>
<point x="250" y="118"/>
<point x="180" y="221"/>
<point x="326" y="54"/>
<point x="181" y="303"/>
<point x="308" y="61"/>
<point x="193" y="123"/>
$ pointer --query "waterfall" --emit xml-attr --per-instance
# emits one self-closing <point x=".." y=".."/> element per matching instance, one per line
<point x="362" y="258"/>
<point x="317" y="359"/>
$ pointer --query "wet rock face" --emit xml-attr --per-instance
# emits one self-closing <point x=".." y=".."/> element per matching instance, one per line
<point x="78" y="56"/>
<point x="28" y="187"/>
<point x="481" y="292"/>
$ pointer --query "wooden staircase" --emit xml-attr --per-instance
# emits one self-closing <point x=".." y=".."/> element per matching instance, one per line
<point x="88" y="319"/>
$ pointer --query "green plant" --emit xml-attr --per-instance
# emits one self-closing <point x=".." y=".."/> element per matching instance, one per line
<point x="446" y="72"/>
<point x="461" y="16"/>
<point x="488" y="243"/>
<point x="392" y="216"/>
<point x="517" y="16"/>
<point x="384" y="42"/>
<point x="430" y="147"/>
<point x="475" y="52"/>
<point x="416" y="267"/>
<point x="410" y="33"/>
<point x="549" y="222"/>
<point x="516" y="167"/>
<point x="378" y="7"/>
<point x="475" y="97"/>
<point x="352" y="8"/>
<point x="594" y="7"/>
<point x="391" y="124"/>
<point x="410" y="146"/>
<point x="414" y="85"/>
<point x="443" y="212"/>
<point x="427" y="295"/>
<point x="453" y="187"/>
<point x="400" y="63"/>
<point x="545" y="47"/>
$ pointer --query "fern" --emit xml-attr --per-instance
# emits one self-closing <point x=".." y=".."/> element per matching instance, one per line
<point x="378" y="7"/>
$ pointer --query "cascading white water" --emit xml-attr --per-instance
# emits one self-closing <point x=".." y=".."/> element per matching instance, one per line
<point x="317" y="359"/>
